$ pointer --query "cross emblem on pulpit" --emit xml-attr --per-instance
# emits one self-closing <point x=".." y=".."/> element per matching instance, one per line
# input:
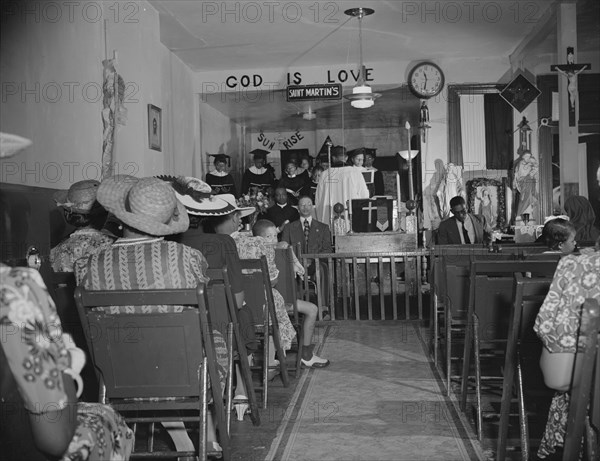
<point x="369" y="208"/>
<point x="570" y="70"/>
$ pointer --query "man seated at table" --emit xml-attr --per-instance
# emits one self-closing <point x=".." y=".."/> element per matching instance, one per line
<point x="463" y="228"/>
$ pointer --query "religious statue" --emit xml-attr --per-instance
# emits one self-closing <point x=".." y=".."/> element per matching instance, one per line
<point x="525" y="182"/>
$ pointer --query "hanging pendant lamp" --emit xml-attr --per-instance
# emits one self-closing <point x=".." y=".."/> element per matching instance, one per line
<point x="362" y="96"/>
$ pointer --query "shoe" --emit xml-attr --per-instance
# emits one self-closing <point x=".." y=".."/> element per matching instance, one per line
<point x="315" y="362"/>
<point x="214" y="450"/>
<point x="240" y="405"/>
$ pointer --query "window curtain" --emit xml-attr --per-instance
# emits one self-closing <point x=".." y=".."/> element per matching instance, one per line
<point x="473" y="131"/>
<point x="498" y="132"/>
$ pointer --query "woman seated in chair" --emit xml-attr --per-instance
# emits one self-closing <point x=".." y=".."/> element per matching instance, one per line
<point x="577" y="277"/>
<point x="46" y="367"/>
<point x="82" y="211"/>
<point x="142" y="259"/>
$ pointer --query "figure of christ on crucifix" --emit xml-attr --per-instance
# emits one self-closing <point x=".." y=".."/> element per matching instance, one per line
<point x="570" y="70"/>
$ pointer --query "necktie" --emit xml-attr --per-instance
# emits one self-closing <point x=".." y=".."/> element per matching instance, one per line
<point x="306" y="232"/>
<point x="465" y="234"/>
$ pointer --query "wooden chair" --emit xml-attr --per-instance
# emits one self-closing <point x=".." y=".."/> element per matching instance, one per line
<point x="287" y="286"/>
<point x="258" y="295"/>
<point x="151" y="365"/>
<point x="490" y="300"/>
<point x="219" y="294"/>
<point x="585" y="385"/>
<point x="523" y="350"/>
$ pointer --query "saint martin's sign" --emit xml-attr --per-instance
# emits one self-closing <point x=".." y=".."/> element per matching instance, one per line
<point x="314" y="92"/>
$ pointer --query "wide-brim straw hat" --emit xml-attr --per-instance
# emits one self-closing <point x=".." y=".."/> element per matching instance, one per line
<point x="145" y="204"/>
<point x="79" y="198"/>
<point x="10" y="144"/>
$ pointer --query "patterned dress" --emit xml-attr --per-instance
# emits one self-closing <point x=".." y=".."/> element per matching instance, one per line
<point x="557" y="324"/>
<point x="148" y="263"/>
<point x="37" y="356"/>
<point x="82" y="242"/>
<point x="250" y="247"/>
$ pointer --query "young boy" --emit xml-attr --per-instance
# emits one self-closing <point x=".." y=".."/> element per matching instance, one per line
<point x="267" y="230"/>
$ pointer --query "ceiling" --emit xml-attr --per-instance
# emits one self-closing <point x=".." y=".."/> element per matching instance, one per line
<point x="233" y="35"/>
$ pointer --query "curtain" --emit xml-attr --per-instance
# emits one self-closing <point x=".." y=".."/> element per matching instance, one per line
<point x="498" y="132"/>
<point x="473" y="131"/>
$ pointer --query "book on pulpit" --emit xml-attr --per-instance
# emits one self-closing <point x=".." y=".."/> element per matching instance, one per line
<point x="373" y="215"/>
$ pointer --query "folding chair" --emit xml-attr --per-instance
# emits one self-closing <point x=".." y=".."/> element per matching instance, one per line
<point x="287" y="286"/>
<point x="258" y="294"/>
<point x="219" y="295"/>
<point x="522" y="344"/>
<point x="150" y="365"/>
<point x="490" y="300"/>
<point x="583" y="408"/>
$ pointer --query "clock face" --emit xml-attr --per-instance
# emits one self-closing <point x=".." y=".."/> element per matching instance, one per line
<point x="426" y="80"/>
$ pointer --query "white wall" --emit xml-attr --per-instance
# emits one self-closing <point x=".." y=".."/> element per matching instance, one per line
<point x="40" y="52"/>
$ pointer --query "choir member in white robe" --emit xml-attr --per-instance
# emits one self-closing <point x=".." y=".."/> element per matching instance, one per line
<point x="338" y="184"/>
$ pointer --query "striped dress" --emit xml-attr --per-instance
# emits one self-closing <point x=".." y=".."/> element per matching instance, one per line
<point x="148" y="263"/>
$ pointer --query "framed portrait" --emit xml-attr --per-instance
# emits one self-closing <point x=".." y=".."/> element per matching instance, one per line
<point x="154" y="128"/>
<point x="487" y="197"/>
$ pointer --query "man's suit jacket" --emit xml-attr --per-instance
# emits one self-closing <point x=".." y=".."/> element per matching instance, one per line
<point x="448" y="233"/>
<point x="319" y="238"/>
<point x="278" y="215"/>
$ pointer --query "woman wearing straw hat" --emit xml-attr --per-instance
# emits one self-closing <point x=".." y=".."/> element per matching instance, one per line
<point x="149" y="211"/>
<point x="219" y="250"/>
<point x="82" y="211"/>
<point x="40" y="372"/>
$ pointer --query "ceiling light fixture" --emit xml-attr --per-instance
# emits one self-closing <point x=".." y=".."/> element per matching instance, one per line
<point x="362" y="96"/>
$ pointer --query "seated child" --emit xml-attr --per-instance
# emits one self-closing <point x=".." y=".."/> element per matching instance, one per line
<point x="267" y="230"/>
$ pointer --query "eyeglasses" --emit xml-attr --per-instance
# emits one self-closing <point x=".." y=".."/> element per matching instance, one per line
<point x="460" y="212"/>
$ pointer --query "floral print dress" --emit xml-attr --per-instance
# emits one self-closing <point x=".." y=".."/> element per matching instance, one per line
<point x="38" y="356"/>
<point x="250" y="247"/>
<point x="557" y="324"/>
<point x="82" y="242"/>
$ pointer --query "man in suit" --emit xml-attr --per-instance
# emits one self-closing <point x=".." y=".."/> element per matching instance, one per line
<point x="282" y="212"/>
<point x="313" y="236"/>
<point x="463" y="228"/>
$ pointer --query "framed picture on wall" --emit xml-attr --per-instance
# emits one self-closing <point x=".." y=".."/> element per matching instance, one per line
<point x="487" y="197"/>
<point x="154" y="128"/>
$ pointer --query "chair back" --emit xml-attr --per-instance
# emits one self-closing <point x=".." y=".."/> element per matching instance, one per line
<point x="258" y="292"/>
<point x="491" y="291"/>
<point x="145" y="355"/>
<point x="585" y="387"/>
<point x="287" y="285"/>
<point x="523" y="350"/>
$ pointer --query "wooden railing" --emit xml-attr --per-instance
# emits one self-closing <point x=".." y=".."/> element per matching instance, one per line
<point x="366" y="286"/>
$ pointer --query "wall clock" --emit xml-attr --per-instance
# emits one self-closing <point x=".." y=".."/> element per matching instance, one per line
<point x="426" y="80"/>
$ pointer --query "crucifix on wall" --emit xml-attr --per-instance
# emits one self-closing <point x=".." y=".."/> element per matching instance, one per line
<point x="570" y="70"/>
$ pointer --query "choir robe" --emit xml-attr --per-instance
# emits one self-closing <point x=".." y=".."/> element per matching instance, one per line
<point x="338" y="185"/>
<point x="293" y="186"/>
<point x="376" y="187"/>
<point x="310" y="190"/>
<point x="262" y="179"/>
<point x="221" y="183"/>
